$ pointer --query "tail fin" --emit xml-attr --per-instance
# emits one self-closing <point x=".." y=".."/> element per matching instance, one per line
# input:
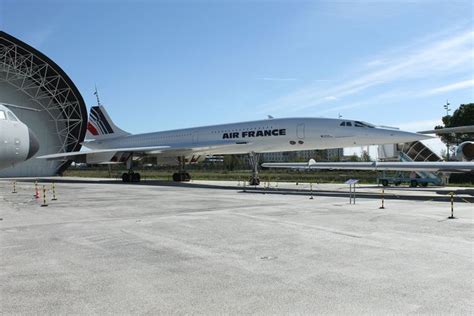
<point x="101" y="126"/>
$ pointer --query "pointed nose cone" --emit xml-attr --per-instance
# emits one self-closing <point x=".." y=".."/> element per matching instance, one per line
<point x="407" y="137"/>
<point x="34" y="144"/>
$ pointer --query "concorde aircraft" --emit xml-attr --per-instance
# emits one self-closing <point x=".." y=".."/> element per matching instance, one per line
<point x="17" y="142"/>
<point x="110" y="144"/>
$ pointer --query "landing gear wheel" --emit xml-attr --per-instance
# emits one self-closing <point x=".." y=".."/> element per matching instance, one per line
<point x="385" y="183"/>
<point x="125" y="177"/>
<point x="176" y="177"/>
<point x="254" y="181"/>
<point x="424" y="184"/>
<point x="136" y="177"/>
<point x="413" y="183"/>
<point x="181" y="177"/>
<point x="131" y="177"/>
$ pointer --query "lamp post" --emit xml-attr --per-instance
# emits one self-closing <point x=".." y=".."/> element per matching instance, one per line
<point x="446" y="107"/>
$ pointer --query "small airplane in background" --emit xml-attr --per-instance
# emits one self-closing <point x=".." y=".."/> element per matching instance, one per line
<point x="110" y="144"/>
<point x="464" y="153"/>
<point x="444" y="166"/>
<point x="17" y="142"/>
<point x="465" y="150"/>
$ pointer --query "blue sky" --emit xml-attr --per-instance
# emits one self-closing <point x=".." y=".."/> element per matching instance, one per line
<point x="170" y="64"/>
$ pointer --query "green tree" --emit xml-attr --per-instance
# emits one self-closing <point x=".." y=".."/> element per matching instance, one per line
<point x="463" y="116"/>
<point x="354" y="158"/>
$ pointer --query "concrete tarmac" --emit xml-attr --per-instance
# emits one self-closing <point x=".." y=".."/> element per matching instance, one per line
<point x="209" y="248"/>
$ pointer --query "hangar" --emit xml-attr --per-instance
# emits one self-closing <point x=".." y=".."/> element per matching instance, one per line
<point x="44" y="98"/>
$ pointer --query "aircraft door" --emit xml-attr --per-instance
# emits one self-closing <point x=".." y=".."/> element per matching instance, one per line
<point x="8" y="147"/>
<point x="300" y="131"/>
<point x="195" y="138"/>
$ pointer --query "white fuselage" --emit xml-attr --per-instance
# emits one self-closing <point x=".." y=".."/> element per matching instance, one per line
<point x="14" y="139"/>
<point x="272" y="135"/>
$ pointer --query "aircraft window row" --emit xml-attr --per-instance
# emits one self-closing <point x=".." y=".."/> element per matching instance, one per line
<point x="362" y="124"/>
<point x="175" y="135"/>
<point x="11" y="117"/>
<point x="242" y="129"/>
<point x="346" y="124"/>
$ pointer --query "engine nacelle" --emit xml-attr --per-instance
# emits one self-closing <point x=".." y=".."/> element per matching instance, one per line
<point x="465" y="151"/>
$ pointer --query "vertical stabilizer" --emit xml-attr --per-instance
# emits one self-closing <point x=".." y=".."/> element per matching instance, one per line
<point x="100" y="125"/>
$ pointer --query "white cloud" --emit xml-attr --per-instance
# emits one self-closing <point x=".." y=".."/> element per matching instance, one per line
<point x="418" y="125"/>
<point x="375" y="62"/>
<point x="330" y="98"/>
<point x="277" y="79"/>
<point x="451" y="87"/>
<point x="439" y="57"/>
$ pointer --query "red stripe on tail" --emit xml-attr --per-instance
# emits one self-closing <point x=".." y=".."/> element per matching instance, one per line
<point x="92" y="129"/>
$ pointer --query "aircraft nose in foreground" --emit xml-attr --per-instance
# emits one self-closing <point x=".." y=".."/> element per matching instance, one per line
<point x="34" y="144"/>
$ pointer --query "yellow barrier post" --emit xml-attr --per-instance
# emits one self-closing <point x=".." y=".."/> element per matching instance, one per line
<point x="311" y="190"/>
<point x="452" y="206"/>
<point x="383" y="199"/>
<point x="37" y="194"/>
<point x="44" y="197"/>
<point x="54" y="192"/>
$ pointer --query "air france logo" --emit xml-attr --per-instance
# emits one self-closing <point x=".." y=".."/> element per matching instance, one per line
<point x="259" y="133"/>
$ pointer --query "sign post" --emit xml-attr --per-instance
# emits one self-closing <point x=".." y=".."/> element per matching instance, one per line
<point x="352" y="192"/>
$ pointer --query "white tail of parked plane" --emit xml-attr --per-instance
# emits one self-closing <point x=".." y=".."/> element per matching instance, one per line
<point x="101" y="126"/>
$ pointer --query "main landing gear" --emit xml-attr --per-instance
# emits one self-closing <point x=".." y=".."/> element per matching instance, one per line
<point x="130" y="175"/>
<point x="254" y="157"/>
<point x="181" y="175"/>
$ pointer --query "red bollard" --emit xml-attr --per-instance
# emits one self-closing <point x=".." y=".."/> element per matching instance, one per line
<point x="37" y="193"/>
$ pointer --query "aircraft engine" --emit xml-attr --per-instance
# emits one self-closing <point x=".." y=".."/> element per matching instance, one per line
<point x="465" y="151"/>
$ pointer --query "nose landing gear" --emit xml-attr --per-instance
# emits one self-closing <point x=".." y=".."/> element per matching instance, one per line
<point x="181" y="175"/>
<point x="254" y="157"/>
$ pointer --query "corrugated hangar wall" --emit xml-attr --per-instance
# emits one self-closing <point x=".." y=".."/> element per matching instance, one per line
<point x="51" y="105"/>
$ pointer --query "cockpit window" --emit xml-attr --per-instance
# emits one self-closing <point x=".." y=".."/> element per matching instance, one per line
<point x="11" y="116"/>
<point x="362" y="124"/>
<point x="2" y="115"/>
<point x="357" y="124"/>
